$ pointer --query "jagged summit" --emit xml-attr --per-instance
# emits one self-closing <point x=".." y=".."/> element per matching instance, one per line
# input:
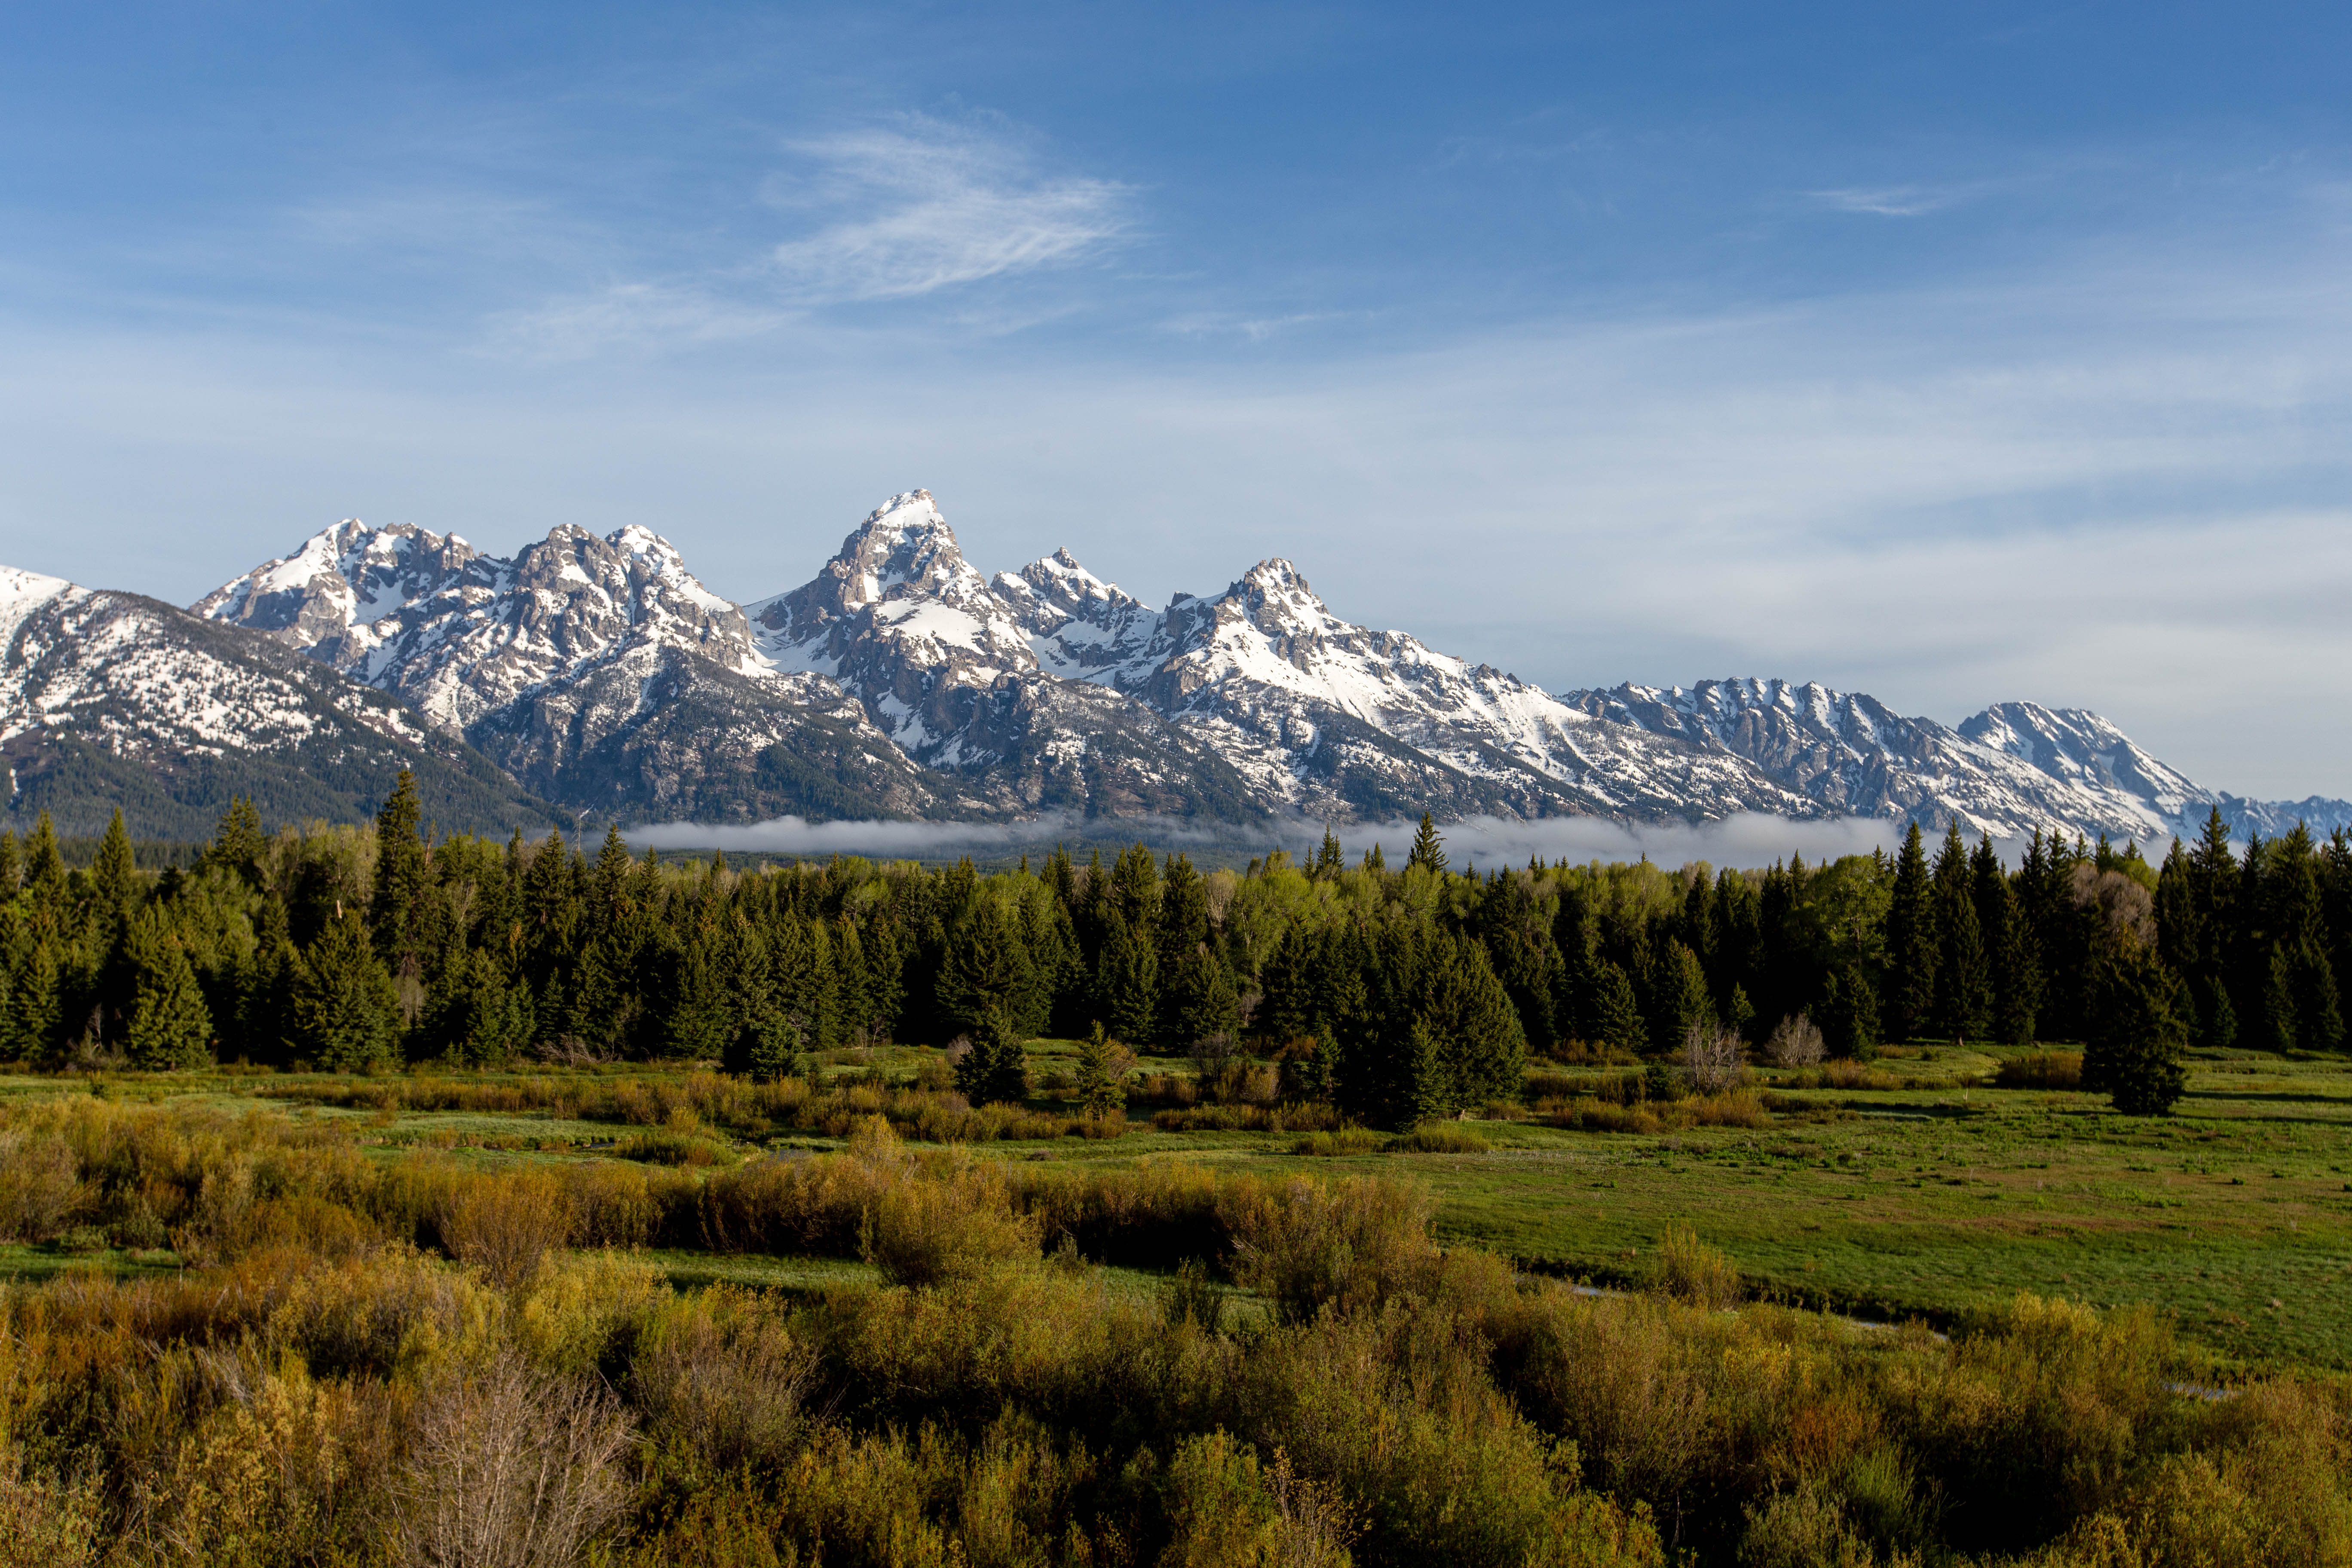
<point x="601" y="674"/>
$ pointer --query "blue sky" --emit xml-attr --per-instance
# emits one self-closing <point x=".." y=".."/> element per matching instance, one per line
<point x="1952" y="353"/>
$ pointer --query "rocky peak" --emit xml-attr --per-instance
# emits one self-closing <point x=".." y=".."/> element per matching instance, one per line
<point x="341" y="579"/>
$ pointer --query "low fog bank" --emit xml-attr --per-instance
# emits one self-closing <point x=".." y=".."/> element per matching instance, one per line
<point x="1745" y="840"/>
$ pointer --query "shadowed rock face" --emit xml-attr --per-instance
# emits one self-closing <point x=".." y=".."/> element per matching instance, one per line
<point x="899" y="682"/>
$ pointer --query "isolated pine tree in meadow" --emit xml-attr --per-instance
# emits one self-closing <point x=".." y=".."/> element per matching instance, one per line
<point x="1099" y="1084"/>
<point x="1428" y="849"/>
<point x="2133" y="1054"/>
<point x="167" y="1028"/>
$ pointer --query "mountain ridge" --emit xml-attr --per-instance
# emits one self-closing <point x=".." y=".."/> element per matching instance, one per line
<point x="597" y="674"/>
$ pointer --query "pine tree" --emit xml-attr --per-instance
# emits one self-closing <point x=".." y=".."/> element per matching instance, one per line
<point x="1616" y="1014"/>
<point x="35" y="1023"/>
<point x="45" y="867"/>
<point x="238" y="844"/>
<point x="12" y="867"/>
<point x="996" y="1067"/>
<point x="1428" y="849"/>
<point x="1098" y="1081"/>
<point x="2133" y="1054"/>
<point x="1127" y="983"/>
<point x="1374" y="860"/>
<point x="1330" y="860"/>
<point x="1682" y="1001"/>
<point x="344" y="1013"/>
<point x="114" y="879"/>
<point x="1963" y="968"/>
<point x="1910" y="994"/>
<point x="985" y="974"/>
<point x="400" y="871"/>
<point x="1848" y="1014"/>
<point x="168" y="1028"/>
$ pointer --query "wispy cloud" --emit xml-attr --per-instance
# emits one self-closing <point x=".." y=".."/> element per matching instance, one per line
<point x="901" y="211"/>
<point x="1888" y="201"/>
<point x="932" y="205"/>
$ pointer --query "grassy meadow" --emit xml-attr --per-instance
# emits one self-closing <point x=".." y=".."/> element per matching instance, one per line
<point x="1919" y="1192"/>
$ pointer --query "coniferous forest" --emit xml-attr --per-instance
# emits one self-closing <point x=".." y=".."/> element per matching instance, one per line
<point x="1393" y="994"/>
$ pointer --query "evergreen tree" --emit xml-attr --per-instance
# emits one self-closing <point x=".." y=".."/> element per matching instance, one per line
<point x="168" y="1028"/>
<point x="1848" y="1014"/>
<point x="344" y="1013"/>
<point x="1963" y="969"/>
<point x="238" y="844"/>
<point x="2133" y="1054"/>
<point x="12" y="867"/>
<point x="1329" y="861"/>
<point x="1910" y="994"/>
<point x="1428" y="849"/>
<point x="1374" y="860"/>
<point x="1616" y="1014"/>
<point x="34" y="1022"/>
<point x="1099" y="1084"/>
<point x="489" y="1013"/>
<point x="985" y="975"/>
<point x="114" y="875"/>
<point x="1127" y="983"/>
<point x="996" y="1067"/>
<point x="45" y="867"/>
<point x="1198" y="1002"/>
<point x="400" y="871"/>
<point x="1681" y="1002"/>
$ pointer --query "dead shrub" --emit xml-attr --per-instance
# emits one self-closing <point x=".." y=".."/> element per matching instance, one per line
<point x="1712" y="1059"/>
<point x="1796" y="1042"/>
<point x="508" y="1466"/>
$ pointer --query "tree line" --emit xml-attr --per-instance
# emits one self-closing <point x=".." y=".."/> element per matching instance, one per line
<point x="1396" y="994"/>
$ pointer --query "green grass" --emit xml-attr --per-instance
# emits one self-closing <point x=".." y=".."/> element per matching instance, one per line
<point x="1926" y="1200"/>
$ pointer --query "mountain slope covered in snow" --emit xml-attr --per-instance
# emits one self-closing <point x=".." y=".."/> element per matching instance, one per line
<point x="600" y="675"/>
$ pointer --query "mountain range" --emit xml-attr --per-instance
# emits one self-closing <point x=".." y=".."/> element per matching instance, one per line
<point x="596" y="679"/>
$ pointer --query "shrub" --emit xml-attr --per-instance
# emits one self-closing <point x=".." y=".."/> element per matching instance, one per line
<point x="722" y="1377"/>
<point x="1346" y="1141"/>
<point x="1711" y="1058"/>
<point x="1225" y="1510"/>
<point x="945" y="1226"/>
<point x="1688" y="1269"/>
<point x="2042" y="1069"/>
<point x="506" y="1224"/>
<point x="40" y="1183"/>
<point x="1796" y="1042"/>
<point x="1438" y="1138"/>
<point x="509" y="1465"/>
<point x="1353" y="1244"/>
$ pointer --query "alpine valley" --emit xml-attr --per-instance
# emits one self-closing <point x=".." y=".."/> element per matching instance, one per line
<point x="596" y="679"/>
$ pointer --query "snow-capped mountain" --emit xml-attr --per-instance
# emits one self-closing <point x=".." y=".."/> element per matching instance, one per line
<point x="111" y="700"/>
<point x="600" y="675"/>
